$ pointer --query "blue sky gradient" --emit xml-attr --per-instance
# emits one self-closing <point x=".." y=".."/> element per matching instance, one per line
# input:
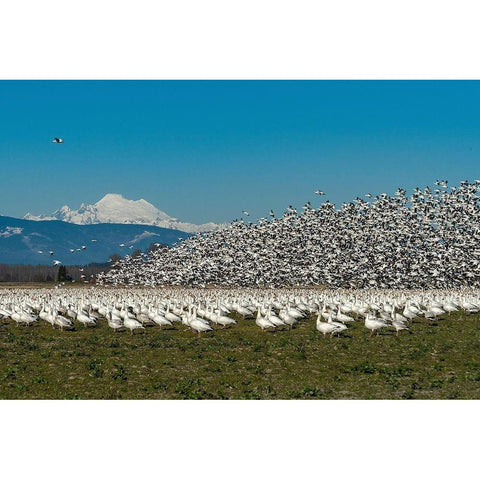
<point x="206" y="150"/>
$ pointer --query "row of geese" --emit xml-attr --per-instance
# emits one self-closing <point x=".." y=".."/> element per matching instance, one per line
<point x="203" y="309"/>
<point x="429" y="239"/>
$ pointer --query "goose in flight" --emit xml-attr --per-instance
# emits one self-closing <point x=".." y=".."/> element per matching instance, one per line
<point x="245" y="213"/>
<point x="56" y="262"/>
<point x="57" y="140"/>
<point x="319" y="192"/>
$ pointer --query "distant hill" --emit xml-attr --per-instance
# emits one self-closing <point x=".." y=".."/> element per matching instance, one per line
<point x="21" y="240"/>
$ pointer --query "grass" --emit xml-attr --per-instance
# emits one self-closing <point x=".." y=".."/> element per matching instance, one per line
<point x="433" y="361"/>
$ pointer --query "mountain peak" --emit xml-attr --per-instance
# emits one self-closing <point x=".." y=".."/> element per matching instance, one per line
<point x="112" y="196"/>
<point x="115" y="208"/>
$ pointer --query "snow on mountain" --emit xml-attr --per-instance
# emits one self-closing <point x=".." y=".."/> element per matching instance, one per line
<point x="9" y="231"/>
<point x="114" y="208"/>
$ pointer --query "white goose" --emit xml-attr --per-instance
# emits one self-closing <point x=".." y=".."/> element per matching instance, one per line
<point x="132" y="324"/>
<point x="272" y="318"/>
<point x="325" y="327"/>
<point x="159" y="319"/>
<point x="374" y="324"/>
<point x="341" y="317"/>
<point x="21" y="317"/>
<point x="84" y="318"/>
<point x="397" y="323"/>
<point x="172" y="317"/>
<point x="198" y="325"/>
<point x="286" y="318"/>
<point x="223" y="320"/>
<point x="114" y="322"/>
<point x="263" y="322"/>
<point x="61" y="321"/>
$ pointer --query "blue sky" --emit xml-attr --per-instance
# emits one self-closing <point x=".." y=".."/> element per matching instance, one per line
<point x="206" y="150"/>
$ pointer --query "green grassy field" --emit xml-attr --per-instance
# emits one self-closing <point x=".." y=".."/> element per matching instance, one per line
<point x="433" y="360"/>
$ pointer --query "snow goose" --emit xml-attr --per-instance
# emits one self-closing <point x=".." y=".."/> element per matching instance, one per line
<point x="198" y="325"/>
<point x="286" y="318"/>
<point x="374" y="324"/>
<point x="115" y="323"/>
<point x="132" y="324"/>
<point x="223" y="320"/>
<point x="325" y="327"/>
<point x="272" y="318"/>
<point x="341" y="317"/>
<point x="172" y="317"/>
<point x="263" y="322"/>
<point x="84" y="318"/>
<point x="61" y="321"/>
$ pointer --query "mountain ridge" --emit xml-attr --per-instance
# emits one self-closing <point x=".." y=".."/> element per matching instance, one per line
<point x="114" y="208"/>
<point x="21" y="241"/>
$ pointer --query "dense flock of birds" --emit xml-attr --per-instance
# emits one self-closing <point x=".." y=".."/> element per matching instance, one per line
<point x="203" y="310"/>
<point x="429" y="239"/>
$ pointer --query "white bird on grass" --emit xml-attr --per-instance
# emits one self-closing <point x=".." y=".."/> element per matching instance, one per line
<point x="132" y="324"/>
<point x="374" y="324"/>
<point x="326" y="327"/>
<point x="263" y="322"/>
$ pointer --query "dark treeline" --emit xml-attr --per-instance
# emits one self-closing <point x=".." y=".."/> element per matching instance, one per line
<point x="48" y="273"/>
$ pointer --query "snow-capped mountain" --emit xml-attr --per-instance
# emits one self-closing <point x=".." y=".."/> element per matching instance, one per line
<point x="114" y="208"/>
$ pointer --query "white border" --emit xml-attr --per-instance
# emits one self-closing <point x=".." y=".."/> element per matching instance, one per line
<point x="191" y="39"/>
<point x="232" y="39"/>
<point x="239" y="439"/>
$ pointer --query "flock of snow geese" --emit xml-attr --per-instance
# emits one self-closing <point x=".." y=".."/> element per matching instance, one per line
<point x="384" y="261"/>
<point x="203" y="310"/>
<point x="429" y="239"/>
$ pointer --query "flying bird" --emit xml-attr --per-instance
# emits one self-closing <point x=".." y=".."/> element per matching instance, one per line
<point x="57" y="140"/>
<point x="245" y="213"/>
